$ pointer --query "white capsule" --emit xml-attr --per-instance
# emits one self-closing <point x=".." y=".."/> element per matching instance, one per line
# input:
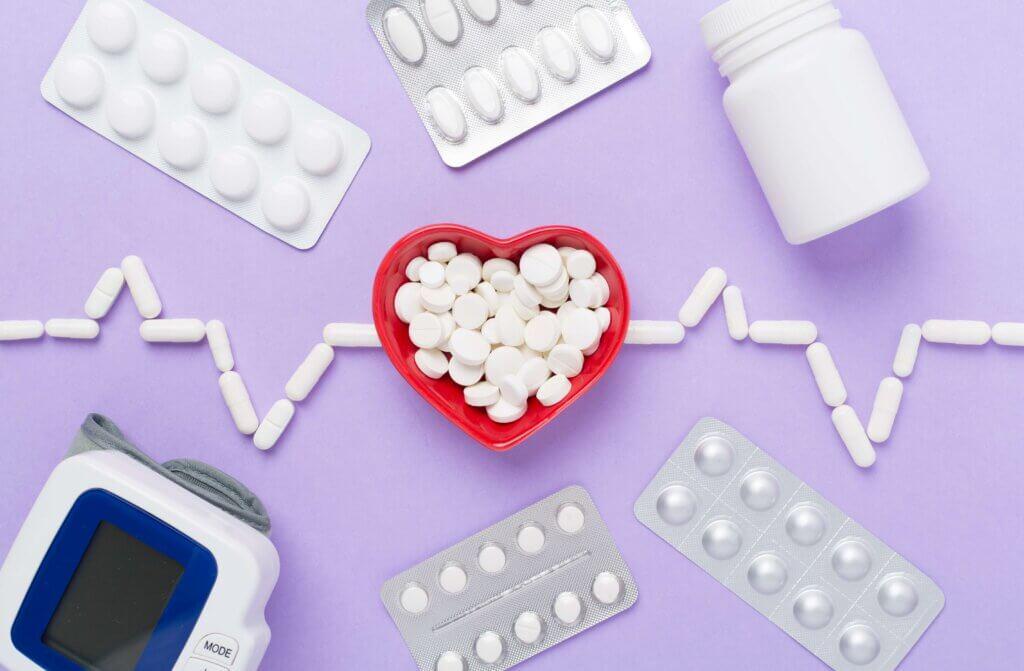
<point x="1010" y="334"/>
<point x="443" y="19"/>
<point x="172" y="330"/>
<point x="883" y="414"/>
<point x="431" y="362"/>
<point x="236" y="396"/>
<point x="220" y="345"/>
<point x="702" y="297"/>
<point x="851" y="431"/>
<point x="643" y="332"/>
<point x="956" y="332"/>
<point x="351" y="335"/>
<point x="735" y="313"/>
<point x="826" y="374"/>
<point x="906" y="352"/>
<point x="141" y="287"/>
<point x="783" y="332"/>
<point x="105" y="293"/>
<point x="309" y="372"/>
<point x="75" y="329"/>
<point x="274" y="424"/>
<point x="554" y="390"/>
<point x="21" y="330"/>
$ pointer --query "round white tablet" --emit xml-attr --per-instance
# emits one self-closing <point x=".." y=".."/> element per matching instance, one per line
<point x="490" y="331"/>
<point x="534" y="373"/>
<point x="504" y="412"/>
<point x="164" y="57"/>
<point x="491" y="266"/>
<point x="541" y="264"/>
<point x="286" y="204"/>
<point x="481" y="395"/>
<point x="554" y="390"/>
<point x="442" y="252"/>
<point x="529" y="627"/>
<point x="453" y="578"/>
<point x="503" y="361"/>
<point x="607" y="588"/>
<point x="412" y="269"/>
<point x="215" y="87"/>
<point x="408" y="301"/>
<point x="513" y="390"/>
<point x="234" y="173"/>
<point x="450" y="661"/>
<point x="581" y="329"/>
<point x="580" y="264"/>
<point x="490" y="295"/>
<point x="530" y="538"/>
<point x="491" y="558"/>
<point x="565" y="360"/>
<point x="463" y="273"/>
<point x="426" y="331"/>
<point x="79" y="81"/>
<point x="131" y="112"/>
<point x="469" y="347"/>
<point x="568" y="608"/>
<point x="585" y="293"/>
<point x="525" y="292"/>
<point x="463" y="375"/>
<point x="267" y="117"/>
<point x="489" y="647"/>
<point x="432" y="363"/>
<point x="470" y="311"/>
<point x="432" y="275"/>
<point x="603" y="289"/>
<point x="414" y="598"/>
<point x="503" y="280"/>
<point x="570" y="518"/>
<point x="319" y="148"/>
<point x="604" y="318"/>
<point x="511" y="327"/>
<point x="182" y="143"/>
<point x="542" y="332"/>
<point x="523" y="311"/>
<point x="438" y="300"/>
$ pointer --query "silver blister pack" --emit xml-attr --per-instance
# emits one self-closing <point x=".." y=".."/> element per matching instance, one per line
<point x="794" y="557"/>
<point x="482" y="72"/>
<point x="513" y="590"/>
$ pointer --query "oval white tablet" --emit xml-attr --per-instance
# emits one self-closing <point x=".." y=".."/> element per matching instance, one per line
<point x="554" y="390"/>
<point x="595" y="33"/>
<point x="111" y="26"/>
<point x="319" y="148"/>
<point x="568" y="608"/>
<point x="414" y="599"/>
<point x="447" y="114"/>
<point x="783" y="332"/>
<point x="529" y="627"/>
<point x="164" y="57"/>
<point x="481" y="395"/>
<point x="956" y="332"/>
<point x="131" y="112"/>
<point x="906" y="352"/>
<point x="558" y="54"/>
<point x="491" y="558"/>
<point x="172" y="330"/>
<point x="489" y="647"/>
<point x="735" y="313"/>
<point x="234" y="173"/>
<point x="286" y="204"/>
<point x="443" y="19"/>
<point x="826" y="374"/>
<point x="215" y="87"/>
<point x="79" y="81"/>
<point x="511" y="327"/>
<point x="520" y="74"/>
<point x="267" y="117"/>
<point x="442" y="252"/>
<point x="703" y="296"/>
<point x="607" y="588"/>
<point x="404" y="36"/>
<point x="530" y="539"/>
<point x="883" y="414"/>
<point x="484" y="11"/>
<point x="483" y="94"/>
<point x="570" y="518"/>
<point x="503" y="361"/>
<point x="534" y="374"/>
<point x="453" y="578"/>
<point x="182" y="143"/>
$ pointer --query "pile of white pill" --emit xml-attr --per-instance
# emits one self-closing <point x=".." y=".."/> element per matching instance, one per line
<point x="505" y="331"/>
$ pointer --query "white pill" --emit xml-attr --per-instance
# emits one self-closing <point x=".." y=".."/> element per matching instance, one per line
<point x="309" y="372"/>
<point x="826" y="374"/>
<point x="414" y="599"/>
<point x="644" y="332"/>
<point x="607" y="588"/>
<point x="513" y="390"/>
<point x="570" y="518"/>
<point x="520" y="73"/>
<point x="267" y="117"/>
<point x="490" y="331"/>
<point x="483" y="94"/>
<point x="79" y="81"/>
<point x="350" y="335"/>
<point x="470" y="311"/>
<point x="602" y="287"/>
<point x="220" y="345"/>
<point x="409" y="301"/>
<point x="164" y="57"/>
<point x="568" y="608"/>
<point x="274" y="424"/>
<point x="956" y="332"/>
<point x="426" y="331"/>
<point x="111" y="26"/>
<point x="530" y="539"/>
<point x="565" y="360"/>
<point x="75" y="329"/>
<point x="702" y="297"/>
<point x="495" y="264"/>
<point x="504" y="412"/>
<point x="491" y="558"/>
<point x="442" y="252"/>
<point x="450" y="661"/>
<point x="524" y="312"/>
<point x="534" y="373"/>
<point x="172" y="330"/>
<point x="511" y="327"/>
<point x="529" y="627"/>
<point x="236" y="396"/>
<point x="481" y="395"/>
<point x="319" y="149"/>
<point x="543" y="332"/>
<point x="541" y="265"/>
<point x="105" y="293"/>
<point x="595" y="34"/>
<point x="403" y="34"/>
<point x="24" y="329"/>
<point x="464" y="375"/>
<point x="235" y="174"/>
<point x="585" y="293"/>
<point x="503" y="281"/>
<point x="431" y="274"/>
<point x="484" y="11"/>
<point x="503" y="361"/>
<point x="735" y="313"/>
<point x="131" y="112"/>
<point x="554" y="390"/>
<point x="852" y="433"/>
<point x="286" y="204"/>
<point x="883" y="413"/>
<point x="141" y="287"/>
<point x="215" y="87"/>
<point x="581" y="329"/>
<point x="182" y="143"/>
<point x="432" y="363"/>
<point x="783" y="332"/>
<point x="445" y="110"/>
<point x="557" y="293"/>
<point x="906" y="352"/>
<point x="438" y="300"/>
<point x="443" y="19"/>
<point x="489" y="647"/>
<point x="580" y="264"/>
<point x="470" y="347"/>
<point x="463" y="273"/>
<point x="526" y="292"/>
<point x="1010" y="334"/>
<point x="490" y="296"/>
<point x="558" y="54"/>
<point x="453" y="578"/>
<point x="412" y="269"/>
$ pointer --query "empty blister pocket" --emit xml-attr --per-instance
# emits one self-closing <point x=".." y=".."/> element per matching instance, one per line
<point x="481" y="72"/>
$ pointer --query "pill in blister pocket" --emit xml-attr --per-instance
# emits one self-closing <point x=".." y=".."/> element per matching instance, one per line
<point x="703" y="296"/>
<point x="484" y="11"/>
<point x="25" y="329"/>
<point x="558" y="53"/>
<point x="105" y="293"/>
<point x="521" y="74"/>
<point x="220" y="345"/>
<point x="274" y="424"/>
<point x="404" y="35"/>
<point x="483" y="94"/>
<point x="309" y="372"/>
<point x="75" y="329"/>
<point x="443" y="19"/>
<point x="447" y="114"/>
<point x="883" y="414"/>
<point x="906" y="352"/>
<point x="111" y="26"/>
<point x="956" y="332"/>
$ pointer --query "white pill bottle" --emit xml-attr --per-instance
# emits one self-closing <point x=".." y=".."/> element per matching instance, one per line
<point x="814" y="113"/>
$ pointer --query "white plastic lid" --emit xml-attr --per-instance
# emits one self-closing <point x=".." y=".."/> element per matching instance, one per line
<point x="735" y="16"/>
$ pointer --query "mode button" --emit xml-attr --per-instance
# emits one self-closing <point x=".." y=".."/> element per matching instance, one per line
<point x="218" y="647"/>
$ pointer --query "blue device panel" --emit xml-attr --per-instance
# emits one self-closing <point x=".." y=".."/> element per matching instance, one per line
<point x="118" y="590"/>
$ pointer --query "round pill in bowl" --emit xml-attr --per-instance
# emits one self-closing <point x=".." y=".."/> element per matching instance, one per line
<point x="714" y="456"/>
<point x="319" y="148"/>
<point x="677" y="504"/>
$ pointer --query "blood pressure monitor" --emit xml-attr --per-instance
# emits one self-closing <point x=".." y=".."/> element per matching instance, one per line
<point x="128" y="565"/>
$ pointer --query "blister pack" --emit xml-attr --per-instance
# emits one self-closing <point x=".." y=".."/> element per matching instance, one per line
<point x="513" y="590"/>
<point x="481" y="72"/>
<point x="207" y="118"/>
<point x="794" y="557"/>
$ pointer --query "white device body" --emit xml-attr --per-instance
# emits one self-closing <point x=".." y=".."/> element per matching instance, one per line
<point x="231" y="633"/>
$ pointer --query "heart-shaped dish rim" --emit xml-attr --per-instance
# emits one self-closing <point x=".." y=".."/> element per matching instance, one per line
<point x="444" y="394"/>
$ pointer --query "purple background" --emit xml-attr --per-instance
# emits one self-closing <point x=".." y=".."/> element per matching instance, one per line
<point x="370" y="480"/>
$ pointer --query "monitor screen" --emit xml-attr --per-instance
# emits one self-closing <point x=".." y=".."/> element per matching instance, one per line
<point x="113" y="603"/>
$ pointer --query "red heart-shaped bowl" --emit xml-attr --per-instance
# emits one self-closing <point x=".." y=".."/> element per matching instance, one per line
<point x="444" y="394"/>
